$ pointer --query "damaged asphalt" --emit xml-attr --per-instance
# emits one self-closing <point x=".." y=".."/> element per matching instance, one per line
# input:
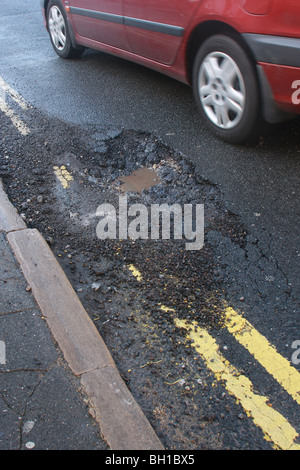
<point x="135" y="314"/>
<point x="100" y="118"/>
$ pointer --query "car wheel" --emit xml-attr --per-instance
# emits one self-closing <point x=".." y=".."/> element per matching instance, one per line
<point x="59" y="31"/>
<point x="226" y="89"/>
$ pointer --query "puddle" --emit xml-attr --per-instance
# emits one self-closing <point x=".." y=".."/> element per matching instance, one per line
<point x="139" y="180"/>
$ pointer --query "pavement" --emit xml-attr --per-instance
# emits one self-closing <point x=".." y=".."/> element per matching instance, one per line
<point x="59" y="386"/>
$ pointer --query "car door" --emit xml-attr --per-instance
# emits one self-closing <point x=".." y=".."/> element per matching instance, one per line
<point x="155" y="28"/>
<point x="100" y="20"/>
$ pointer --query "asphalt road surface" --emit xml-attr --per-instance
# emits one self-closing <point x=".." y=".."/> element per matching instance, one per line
<point x="229" y="379"/>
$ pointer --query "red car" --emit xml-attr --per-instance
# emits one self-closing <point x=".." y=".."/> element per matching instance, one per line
<point x="242" y="57"/>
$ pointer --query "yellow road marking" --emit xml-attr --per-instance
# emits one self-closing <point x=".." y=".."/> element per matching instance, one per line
<point x="17" y="122"/>
<point x="276" y="365"/>
<point x="135" y="272"/>
<point x="274" y="426"/>
<point x="63" y="176"/>
<point x="166" y="309"/>
<point x="14" y="95"/>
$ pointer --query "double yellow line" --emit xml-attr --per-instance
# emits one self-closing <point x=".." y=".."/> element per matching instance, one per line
<point x="274" y="426"/>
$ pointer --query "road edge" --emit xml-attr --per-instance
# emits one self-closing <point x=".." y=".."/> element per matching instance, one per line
<point x="122" y="423"/>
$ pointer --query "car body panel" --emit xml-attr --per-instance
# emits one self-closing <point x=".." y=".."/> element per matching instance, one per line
<point x="156" y="28"/>
<point x="159" y="34"/>
<point x="100" y="21"/>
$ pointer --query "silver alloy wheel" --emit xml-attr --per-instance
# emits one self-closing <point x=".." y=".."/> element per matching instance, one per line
<point x="57" y="28"/>
<point x="222" y="90"/>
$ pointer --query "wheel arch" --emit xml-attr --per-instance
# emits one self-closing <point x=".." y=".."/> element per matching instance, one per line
<point x="204" y="31"/>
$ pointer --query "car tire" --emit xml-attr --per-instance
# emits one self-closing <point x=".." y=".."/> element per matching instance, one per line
<point x="60" y="31"/>
<point x="226" y="90"/>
